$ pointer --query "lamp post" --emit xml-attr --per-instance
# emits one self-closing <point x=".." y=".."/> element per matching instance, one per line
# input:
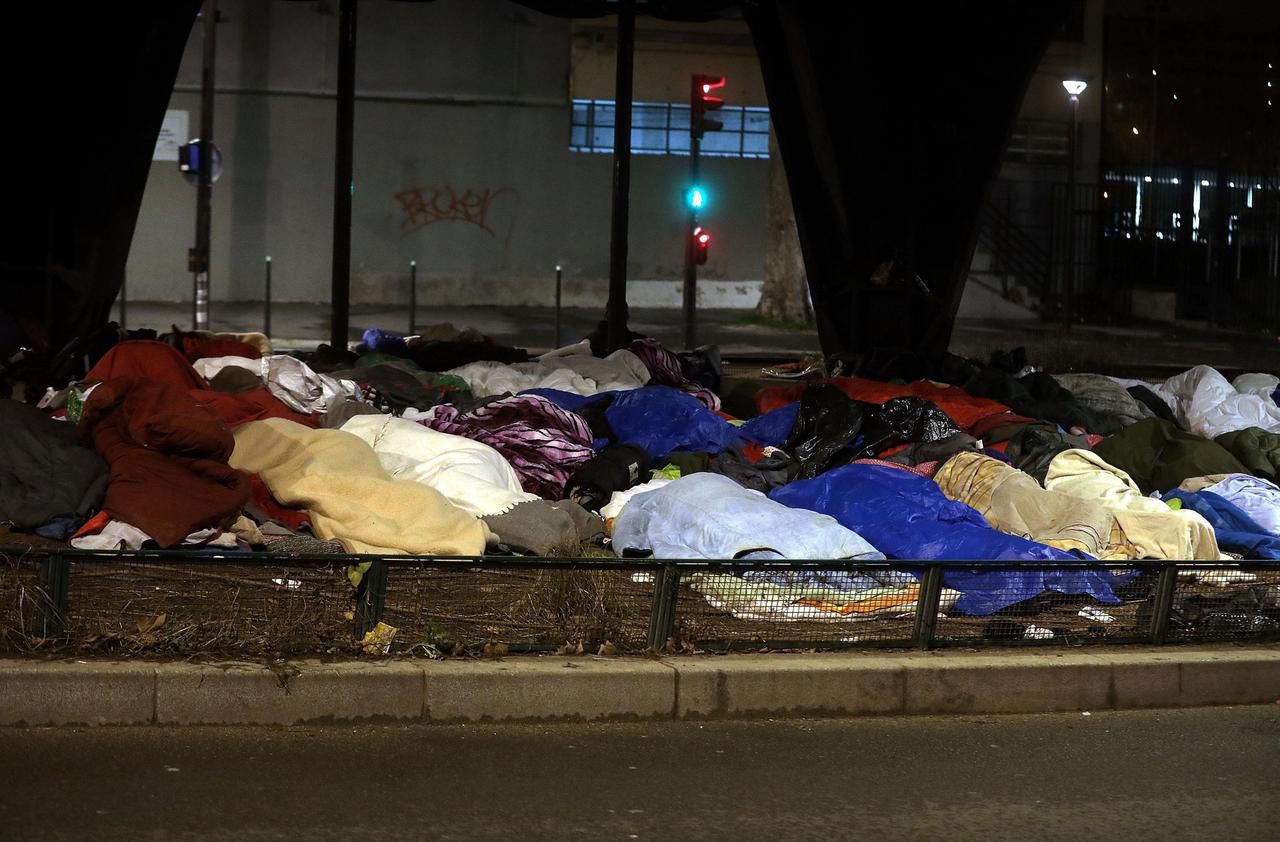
<point x="1073" y="87"/>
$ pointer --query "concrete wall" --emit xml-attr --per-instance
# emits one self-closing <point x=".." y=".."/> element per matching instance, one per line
<point x="462" y="108"/>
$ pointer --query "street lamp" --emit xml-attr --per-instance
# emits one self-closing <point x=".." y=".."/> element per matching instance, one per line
<point x="1073" y="87"/>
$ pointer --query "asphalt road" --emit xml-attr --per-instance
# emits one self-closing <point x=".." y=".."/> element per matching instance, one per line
<point x="1168" y="775"/>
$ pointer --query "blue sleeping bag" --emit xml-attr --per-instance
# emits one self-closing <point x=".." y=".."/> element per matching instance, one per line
<point x="907" y="517"/>
<point x="1236" y="531"/>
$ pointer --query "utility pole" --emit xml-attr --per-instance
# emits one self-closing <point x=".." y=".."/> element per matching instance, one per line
<point x="1074" y="87"/>
<point x="343" y="186"/>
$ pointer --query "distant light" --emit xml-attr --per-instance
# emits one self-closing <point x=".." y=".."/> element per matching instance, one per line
<point x="1106" y="195"/>
<point x="704" y="238"/>
<point x="696" y="198"/>
<point x="1147" y="179"/>
<point x="1075" y="87"/>
<point x="1204" y="182"/>
<point x="706" y="88"/>
<point x="412" y="263"/>
<point x="1175" y="181"/>
<point x="1159" y="235"/>
<point x="1175" y="97"/>
<point x="1135" y="129"/>
<point x="1153" y="72"/>
<point x="268" y="258"/>
<point x="557" y="267"/>
<point x="1231" y="184"/>
<point x="1257" y="186"/>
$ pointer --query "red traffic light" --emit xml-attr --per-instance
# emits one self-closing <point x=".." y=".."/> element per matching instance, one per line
<point x="701" y="101"/>
<point x="703" y="86"/>
<point x="701" y="244"/>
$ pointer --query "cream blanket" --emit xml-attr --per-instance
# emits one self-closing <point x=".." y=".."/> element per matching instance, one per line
<point x="338" y="479"/>
<point x="1155" y="529"/>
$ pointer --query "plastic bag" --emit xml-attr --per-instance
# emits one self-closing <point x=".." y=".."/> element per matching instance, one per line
<point x="826" y="429"/>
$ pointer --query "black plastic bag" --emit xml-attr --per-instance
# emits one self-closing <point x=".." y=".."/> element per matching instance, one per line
<point x="703" y="366"/>
<point x="826" y="429"/>
<point x="616" y="468"/>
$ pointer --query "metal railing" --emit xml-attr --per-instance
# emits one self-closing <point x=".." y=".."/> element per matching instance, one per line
<point x="194" y="602"/>
<point x="1013" y="251"/>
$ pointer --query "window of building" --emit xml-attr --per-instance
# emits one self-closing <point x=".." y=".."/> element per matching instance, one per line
<point x="662" y="128"/>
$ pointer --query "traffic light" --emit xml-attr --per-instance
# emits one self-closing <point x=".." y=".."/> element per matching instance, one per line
<point x="696" y="198"/>
<point x="701" y="101"/>
<point x="701" y="243"/>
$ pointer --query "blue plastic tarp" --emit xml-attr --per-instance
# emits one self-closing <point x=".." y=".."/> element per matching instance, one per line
<point x="773" y="428"/>
<point x="380" y="341"/>
<point x="907" y="517"/>
<point x="663" y="420"/>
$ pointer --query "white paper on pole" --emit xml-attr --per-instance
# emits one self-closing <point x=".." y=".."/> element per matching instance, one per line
<point x="173" y="133"/>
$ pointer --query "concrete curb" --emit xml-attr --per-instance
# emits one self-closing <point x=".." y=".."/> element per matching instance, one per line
<point x="542" y="689"/>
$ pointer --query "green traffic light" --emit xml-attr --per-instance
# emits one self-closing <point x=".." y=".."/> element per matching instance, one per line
<point x="696" y="198"/>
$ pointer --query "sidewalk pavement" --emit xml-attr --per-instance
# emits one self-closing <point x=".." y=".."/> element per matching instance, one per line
<point x="1087" y="347"/>
<point x="586" y="689"/>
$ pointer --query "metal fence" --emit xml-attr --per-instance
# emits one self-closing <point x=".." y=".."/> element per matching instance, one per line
<point x="187" y="603"/>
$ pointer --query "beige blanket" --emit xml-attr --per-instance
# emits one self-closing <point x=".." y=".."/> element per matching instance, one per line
<point x="1014" y="503"/>
<point x="337" y="478"/>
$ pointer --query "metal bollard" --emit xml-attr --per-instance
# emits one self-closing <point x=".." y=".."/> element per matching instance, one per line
<point x="558" y="276"/>
<point x="413" y="294"/>
<point x="266" y="302"/>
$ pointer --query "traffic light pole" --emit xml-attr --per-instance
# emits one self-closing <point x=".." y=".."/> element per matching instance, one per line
<point x="616" y="308"/>
<point x="690" y="264"/>
<point x="198" y="257"/>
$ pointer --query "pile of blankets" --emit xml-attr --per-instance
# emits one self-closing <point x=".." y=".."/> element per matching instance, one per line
<point x="215" y="442"/>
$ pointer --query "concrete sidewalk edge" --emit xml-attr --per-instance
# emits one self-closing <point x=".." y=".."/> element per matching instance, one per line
<point x="584" y="689"/>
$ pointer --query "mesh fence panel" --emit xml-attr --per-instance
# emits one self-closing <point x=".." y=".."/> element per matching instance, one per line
<point x="1225" y="603"/>
<point x="19" y="594"/>
<point x="279" y="607"/>
<point x="225" y="608"/>
<point x="796" y="608"/>
<point x="1054" y="616"/>
<point x="465" y="607"/>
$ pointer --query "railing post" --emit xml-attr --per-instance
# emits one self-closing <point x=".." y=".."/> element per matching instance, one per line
<point x="662" y="619"/>
<point x="266" y="302"/>
<point x="413" y="295"/>
<point x="927" y="607"/>
<point x="557" y="339"/>
<point x="54" y="574"/>
<point x="371" y="597"/>
<point x="1162" y="603"/>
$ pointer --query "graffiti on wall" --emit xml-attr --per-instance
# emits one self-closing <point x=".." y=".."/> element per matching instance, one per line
<point x="425" y="206"/>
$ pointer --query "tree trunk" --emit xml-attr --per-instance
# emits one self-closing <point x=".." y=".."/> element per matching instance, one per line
<point x="784" y="295"/>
